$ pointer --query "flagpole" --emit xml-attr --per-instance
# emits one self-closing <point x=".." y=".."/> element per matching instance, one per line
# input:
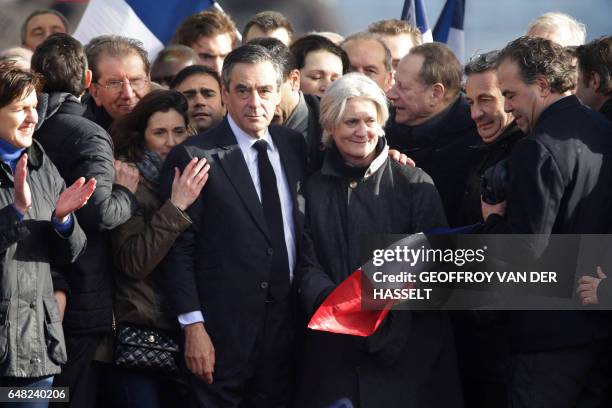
<point x="218" y="7"/>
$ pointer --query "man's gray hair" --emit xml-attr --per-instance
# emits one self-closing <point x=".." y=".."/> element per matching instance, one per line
<point x="353" y="85"/>
<point x="249" y="54"/>
<point x="560" y="21"/>
<point x="114" y="46"/>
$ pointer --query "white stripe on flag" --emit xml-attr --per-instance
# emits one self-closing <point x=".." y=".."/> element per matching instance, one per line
<point x="456" y="42"/>
<point x="427" y="37"/>
<point x="103" y="17"/>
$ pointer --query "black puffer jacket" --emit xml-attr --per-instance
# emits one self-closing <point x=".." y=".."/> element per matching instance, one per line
<point x="31" y="337"/>
<point x="80" y="148"/>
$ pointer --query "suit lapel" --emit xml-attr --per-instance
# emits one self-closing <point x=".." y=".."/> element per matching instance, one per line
<point x="232" y="161"/>
<point x="293" y="173"/>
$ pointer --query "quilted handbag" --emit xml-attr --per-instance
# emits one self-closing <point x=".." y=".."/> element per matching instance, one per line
<point x="145" y="348"/>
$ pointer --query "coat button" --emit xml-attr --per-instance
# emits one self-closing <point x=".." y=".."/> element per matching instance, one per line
<point x="264" y="285"/>
<point x="270" y="251"/>
<point x="353" y="184"/>
<point x="33" y="305"/>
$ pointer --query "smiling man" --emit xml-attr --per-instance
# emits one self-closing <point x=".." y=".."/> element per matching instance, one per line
<point x="120" y="77"/>
<point x="229" y="275"/>
<point x="558" y="185"/>
<point x="496" y="128"/>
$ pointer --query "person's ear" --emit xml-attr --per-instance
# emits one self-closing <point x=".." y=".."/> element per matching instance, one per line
<point x="294" y="80"/>
<point x="543" y="86"/>
<point x="438" y="91"/>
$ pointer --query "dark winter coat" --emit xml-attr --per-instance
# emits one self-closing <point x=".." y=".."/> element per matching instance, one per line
<point x="31" y="336"/>
<point x="411" y="355"/>
<point x="445" y="147"/>
<point x="493" y="153"/>
<point x="80" y="148"/>
<point x="139" y="246"/>
<point x="560" y="178"/>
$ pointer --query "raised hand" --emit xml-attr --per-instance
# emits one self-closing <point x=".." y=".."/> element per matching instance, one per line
<point x="127" y="175"/>
<point x="23" y="196"/>
<point x="74" y="197"/>
<point x="186" y="187"/>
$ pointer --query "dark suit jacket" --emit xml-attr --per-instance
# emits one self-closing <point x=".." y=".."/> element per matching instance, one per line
<point x="222" y="263"/>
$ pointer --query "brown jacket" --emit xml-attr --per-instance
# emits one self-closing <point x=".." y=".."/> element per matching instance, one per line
<point x="139" y="246"/>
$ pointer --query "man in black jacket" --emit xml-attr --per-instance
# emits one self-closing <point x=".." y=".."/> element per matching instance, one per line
<point x="560" y="177"/>
<point x="79" y="147"/>
<point x="496" y="128"/>
<point x="594" y="86"/>
<point x="432" y="121"/>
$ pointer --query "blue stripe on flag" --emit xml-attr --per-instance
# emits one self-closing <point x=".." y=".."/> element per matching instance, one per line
<point x="451" y="16"/>
<point x="162" y="17"/>
<point x="414" y="12"/>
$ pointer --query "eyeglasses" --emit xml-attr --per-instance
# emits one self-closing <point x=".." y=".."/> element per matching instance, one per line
<point x="116" y="86"/>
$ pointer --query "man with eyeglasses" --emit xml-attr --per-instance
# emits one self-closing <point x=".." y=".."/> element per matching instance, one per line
<point x="120" y="77"/>
<point x="228" y="277"/>
<point x="201" y="85"/>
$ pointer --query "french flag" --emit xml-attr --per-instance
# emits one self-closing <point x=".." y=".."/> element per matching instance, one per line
<point x="153" y="22"/>
<point x="414" y="13"/>
<point x="449" y="28"/>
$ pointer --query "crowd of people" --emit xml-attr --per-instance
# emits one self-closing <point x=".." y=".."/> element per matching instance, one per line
<point x="218" y="195"/>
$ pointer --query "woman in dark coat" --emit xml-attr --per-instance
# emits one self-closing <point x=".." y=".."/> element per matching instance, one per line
<point x="143" y="138"/>
<point x="409" y="361"/>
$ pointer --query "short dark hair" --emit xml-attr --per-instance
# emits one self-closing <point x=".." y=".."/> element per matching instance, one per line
<point x="440" y="65"/>
<point x="169" y="59"/>
<point x="367" y="36"/>
<point x="481" y="63"/>
<point x="114" y="46"/>
<point x="128" y="131"/>
<point x="206" y="23"/>
<point x="396" y="27"/>
<point x="40" y="12"/>
<point x="61" y="60"/>
<point x="280" y="52"/>
<point x="540" y="57"/>
<point x="596" y="57"/>
<point x="249" y="54"/>
<point x="269" y="21"/>
<point x="313" y="42"/>
<point x="16" y="83"/>
<point x="186" y="72"/>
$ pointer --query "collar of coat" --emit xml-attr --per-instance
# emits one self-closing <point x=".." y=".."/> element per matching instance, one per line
<point x="328" y="168"/>
<point x="35" y="159"/>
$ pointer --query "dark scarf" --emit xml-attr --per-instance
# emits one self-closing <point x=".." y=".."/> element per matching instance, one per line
<point x="150" y="166"/>
<point x="346" y="169"/>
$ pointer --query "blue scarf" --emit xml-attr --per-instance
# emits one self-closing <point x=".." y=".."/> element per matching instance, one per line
<point x="10" y="154"/>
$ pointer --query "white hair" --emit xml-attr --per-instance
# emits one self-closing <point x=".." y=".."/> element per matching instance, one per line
<point x="353" y="85"/>
<point x="555" y="21"/>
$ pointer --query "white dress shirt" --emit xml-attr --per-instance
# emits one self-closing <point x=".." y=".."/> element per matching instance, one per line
<point x="246" y="142"/>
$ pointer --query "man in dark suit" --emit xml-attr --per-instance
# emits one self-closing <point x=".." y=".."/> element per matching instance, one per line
<point x="228" y="277"/>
